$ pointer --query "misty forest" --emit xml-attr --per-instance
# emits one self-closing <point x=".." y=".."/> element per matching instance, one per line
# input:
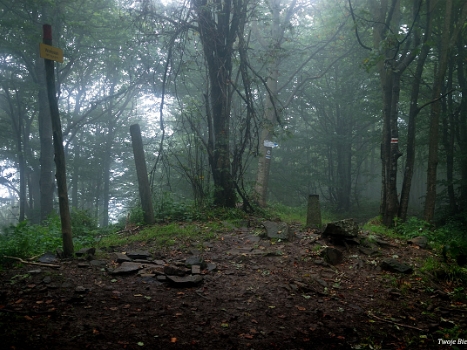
<point x="192" y="135"/>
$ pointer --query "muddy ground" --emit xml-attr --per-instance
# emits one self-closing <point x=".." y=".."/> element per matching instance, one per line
<point x="254" y="294"/>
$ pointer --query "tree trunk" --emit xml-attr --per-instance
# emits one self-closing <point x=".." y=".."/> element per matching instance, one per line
<point x="142" y="173"/>
<point x="413" y="112"/>
<point x="218" y="24"/>
<point x="46" y="182"/>
<point x="431" y="177"/>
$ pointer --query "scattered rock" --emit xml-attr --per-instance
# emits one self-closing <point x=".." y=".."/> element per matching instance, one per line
<point x="369" y="251"/>
<point x="127" y="267"/>
<point x="211" y="267"/>
<point x="138" y="254"/>
<point x="35" y="272"/>
<point x="176" y="270"/>
<point x="48" y="258"/>
<point x="277" y="230"/>
<point x="342" y="230"/>
<point x="85" y="251"/>
<point x="185" y="281"/>
<point x="121" y="258"/>
<point x="100" y="263"/>
<point x="332" y="255"/>
<point x="81" y="290"/>
<point x="195" y="260"/>
<point x="420" y="241"/>
<point x="83" y="265"/>
<point x="393" y="265"/>
<point x="47" y="280"/>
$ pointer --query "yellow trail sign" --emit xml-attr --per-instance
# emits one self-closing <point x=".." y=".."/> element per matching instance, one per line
<point x="51" y="52"/>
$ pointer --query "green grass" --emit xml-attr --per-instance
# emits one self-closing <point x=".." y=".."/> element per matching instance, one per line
<point x="166" y="234"/>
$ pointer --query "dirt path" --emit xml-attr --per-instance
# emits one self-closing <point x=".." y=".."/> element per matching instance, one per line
<point x="255" y="294"/>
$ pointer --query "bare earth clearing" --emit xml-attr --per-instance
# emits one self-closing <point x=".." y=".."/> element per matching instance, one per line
<point x="254" y="294"/>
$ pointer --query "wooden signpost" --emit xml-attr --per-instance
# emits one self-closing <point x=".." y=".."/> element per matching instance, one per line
<point x="51" y="54"/>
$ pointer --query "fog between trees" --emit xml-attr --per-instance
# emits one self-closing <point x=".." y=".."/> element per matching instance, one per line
<point x="365" y="99"/>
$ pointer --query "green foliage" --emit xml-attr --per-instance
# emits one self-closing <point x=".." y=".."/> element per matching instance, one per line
<point x="412" y="227"/>
<point x="24" y="240"/>
<point x="166" y="235"/>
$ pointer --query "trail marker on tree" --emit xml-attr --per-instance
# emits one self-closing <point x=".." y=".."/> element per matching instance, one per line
<point x="58" y="142"/>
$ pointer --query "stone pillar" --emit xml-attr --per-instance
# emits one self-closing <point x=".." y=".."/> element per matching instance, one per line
<point x="313" y="215"/>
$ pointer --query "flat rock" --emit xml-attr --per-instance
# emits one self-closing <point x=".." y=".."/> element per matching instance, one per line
<point x="342" y="229"/>
<point x="120" y="258"/>
<point x="126" y="268"/>
<point x="86" y="251"/>
<point x="185" y="281"/>
<point x="393" y="265"/>
<point x="278" y="230"/>
<point x="332" y="255"/>
<point x="138" y="254"/>
<point x="101" y="263"/>
<point x="195" y="260"/>
<point x="420" y="241"/>
<point x="48" y="258"/>
<point x="176" y="270"/>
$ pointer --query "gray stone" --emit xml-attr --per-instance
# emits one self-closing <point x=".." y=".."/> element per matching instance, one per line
<point x="126" y="268"/>
<point x="211" y="266"/>
<point x="47" y="280"/>
<point x="420" y="241"/>
<point x="195" y="260"/>
<point x="185" y="281"/>
<point x="86" y="251"/>
<point x="278" y="230"/>
<point x="161" y="278"/>
<point x="156" y="269"/>
<point x="369" y="251"/>
<point x="81" y="290"/>
<point x="158" y="262"/>
<point x="343" y="229"/>
<point x="100" y="263"/>
<point x="395" y="266"/>
<point x="332" y="255"/>
<point x="48" y="258"/>
<point x="195" y="269"/>
<point x="120" y="258"/>
<point x="176" y="270"/>
<point x="138" y="254"/>
<point x="83" y="265"/>
<point x="35" y="272"/>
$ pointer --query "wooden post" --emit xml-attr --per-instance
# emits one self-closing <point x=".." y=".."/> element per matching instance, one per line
<point x="142" y="174"/>
<point x="313" y="216"/>
<point x="65" y="218"/>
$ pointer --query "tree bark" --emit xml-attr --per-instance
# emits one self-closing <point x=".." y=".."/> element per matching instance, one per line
<point x="46" y="160"/>
<point x="218" y="25"/>
<point x="65" y="218"/>
<point x="413" y="112"/>
<point x="142" y="173"/>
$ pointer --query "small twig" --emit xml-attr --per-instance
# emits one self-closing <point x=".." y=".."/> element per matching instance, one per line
<point x="395" y="323"/>
<point x="31" y="262"/>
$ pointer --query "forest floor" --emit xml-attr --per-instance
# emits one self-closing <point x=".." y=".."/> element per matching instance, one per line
<point x="254" y="294"/>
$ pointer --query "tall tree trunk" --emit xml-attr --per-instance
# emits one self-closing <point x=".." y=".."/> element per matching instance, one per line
<point x="218" y="25"/>
<point x="431" y="175"/>
<point x="264" y="159"/>
<point x="448" y="138"/>
<point x="461" y="121"/>
<point x="413" y="112"/>
<point x="47" y="183"/>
